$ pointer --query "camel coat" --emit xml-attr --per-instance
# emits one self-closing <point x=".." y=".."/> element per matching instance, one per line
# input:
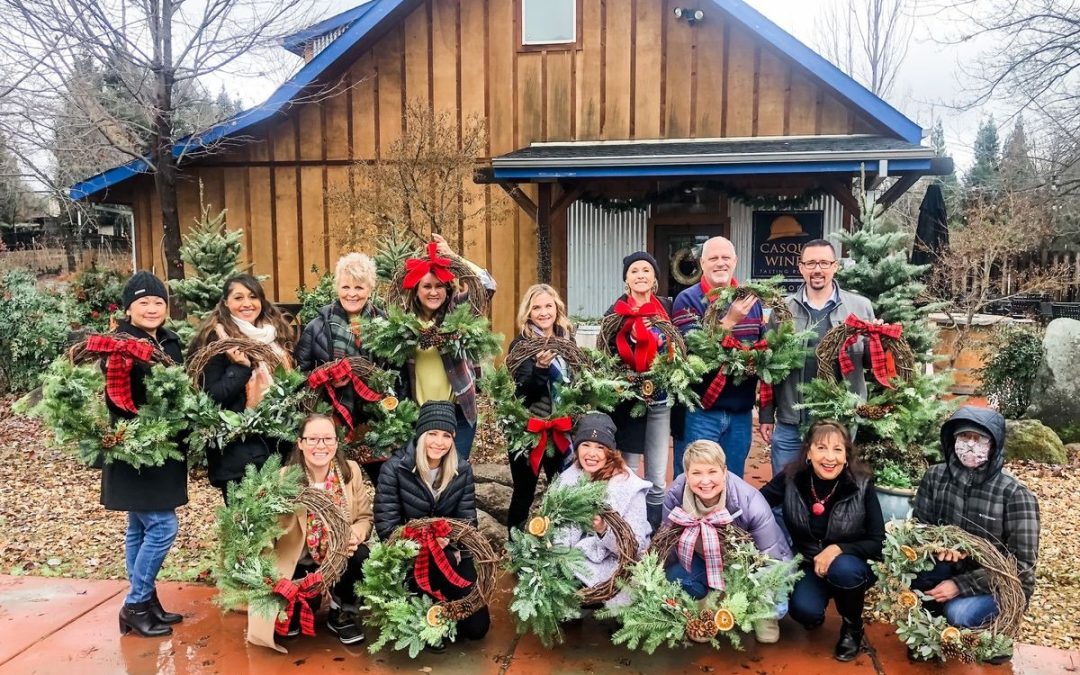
<point x="289" y="547"/>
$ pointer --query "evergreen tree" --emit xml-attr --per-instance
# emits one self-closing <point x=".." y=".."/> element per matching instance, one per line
<point x="1017" y="168"/>
<point x="983" y="177"/>
<point x="950" y="184"/>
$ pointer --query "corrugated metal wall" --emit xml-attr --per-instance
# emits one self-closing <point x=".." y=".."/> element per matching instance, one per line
<point x="742" y="233"/>
<point x="596" y="244"/>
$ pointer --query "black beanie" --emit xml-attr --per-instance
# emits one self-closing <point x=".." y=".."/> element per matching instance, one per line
<point x="598" y="427"/>
<point x="636" y="257"/>
<point x="143" y="284"/>
<point x="436" y="415"/>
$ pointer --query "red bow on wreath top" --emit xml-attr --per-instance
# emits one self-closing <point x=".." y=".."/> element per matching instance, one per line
<point x="122" y="354"/>
<point x="559" y="427"/>
<point x="765" y="389"/>
<point x="329" y="374"/>
<point x="881" y="362"/>
<point x="417" y="268"/>
<point x="430" y="550"/>
<point x="298" y="594"/>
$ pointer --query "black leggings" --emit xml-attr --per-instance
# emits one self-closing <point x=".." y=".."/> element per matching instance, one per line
<point x="525" y="481"/>
<point x="474" y="627"/>
<point x="344" y="592"/>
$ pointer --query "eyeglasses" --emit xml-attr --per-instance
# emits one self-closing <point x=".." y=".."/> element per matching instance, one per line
<point x="817" y="264"/>
<point x="319" y="442"/>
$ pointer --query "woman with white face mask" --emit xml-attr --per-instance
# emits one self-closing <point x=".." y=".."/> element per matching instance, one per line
<point x="970" y="490"/>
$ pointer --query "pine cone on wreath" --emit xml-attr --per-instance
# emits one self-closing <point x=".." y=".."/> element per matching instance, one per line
<point x="952" y="650"/>
<point x="970" y="641"/>
<point x="700" y="630"/>
<point x="874" y="412"/>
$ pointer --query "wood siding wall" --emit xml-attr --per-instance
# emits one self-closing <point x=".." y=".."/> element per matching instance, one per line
<point x="638" y="73"/>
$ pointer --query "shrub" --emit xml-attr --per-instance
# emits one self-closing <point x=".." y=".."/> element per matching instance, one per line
<point x="311" y="301"/>
<point x="97" y="292"/>
<point x="34" y="327"/>
<point x="1009" y="373"/>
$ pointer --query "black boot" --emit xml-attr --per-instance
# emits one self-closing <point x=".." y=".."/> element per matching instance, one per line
<point x="138" y="617"/>
<point x="850" y="642"/>
<point x="167" y="618"/>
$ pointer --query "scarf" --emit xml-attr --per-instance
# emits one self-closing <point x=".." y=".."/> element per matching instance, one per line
<point x="345" y="338"/>
<point x="265" y="334"/>
<point x="635" y="341"/>
<point x="702" y="528"/>
<point x="316" y="529"/>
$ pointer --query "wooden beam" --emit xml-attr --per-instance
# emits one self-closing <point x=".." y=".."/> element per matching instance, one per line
<point x="843" y="195"/>
<point x="520" y="198"/>
<point x="897" y="189"/>
<point x="543" y="232"/>
<point x="568" y="197"/>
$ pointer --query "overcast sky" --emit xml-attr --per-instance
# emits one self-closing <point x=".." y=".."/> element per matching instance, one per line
<point x="928" y="87"/>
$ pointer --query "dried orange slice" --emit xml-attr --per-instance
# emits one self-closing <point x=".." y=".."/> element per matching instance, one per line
<point x="389" y="403"/>
<point x="538" y="525"/>
<point x="950" y="634"/>
<point x="908" y="600"/>
<point x="724" y="619"/>
<point x="434" y="616"/>
<point x="911" y="554"/>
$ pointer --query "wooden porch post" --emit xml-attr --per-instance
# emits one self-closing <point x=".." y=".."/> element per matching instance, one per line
<point x="543" y="233"/>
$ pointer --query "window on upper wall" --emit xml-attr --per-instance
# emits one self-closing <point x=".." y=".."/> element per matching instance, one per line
<point x="547" y="22"/>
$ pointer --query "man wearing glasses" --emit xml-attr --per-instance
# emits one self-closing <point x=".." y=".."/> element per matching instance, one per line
<point x="818" y="304"/>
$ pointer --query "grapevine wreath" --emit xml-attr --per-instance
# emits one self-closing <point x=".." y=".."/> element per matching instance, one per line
<point x="410" y="620"/>
<point x="246" y="572"/>
<point x="891" y="356"/>
<point x="388" y="422"/>
<point x="661" y="612"/>
<point x="910" y="548"/>
<point x="449" y="269"/>
<point x="461" y="335"/>
<point x="547" y="592"/>
<point x="277" y="415"/>
<point x="73" y="402"/>
<point x="770" y="293"/>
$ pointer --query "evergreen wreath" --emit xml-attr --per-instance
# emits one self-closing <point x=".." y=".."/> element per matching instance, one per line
<point x="73" y="407"/>
<point x="802" y="200"/>
<point x="462" y="335"/>
<point x="465" y="281"/>
<point x="910" y="548"/>
<point x="769" y="292"/>
<point x="891" y="355"/>
<point x="246" y="572"/>
<point x="407" y="620"/>
<point x="547" y="592"/>
<point x="661" y="612"/>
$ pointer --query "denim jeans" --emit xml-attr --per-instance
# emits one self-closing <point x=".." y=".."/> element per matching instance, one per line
<point x="695" y="581"/>
<point x="963" y="612"/>
<point x="149" y="536"/>
<point x="731" y="430"/>
<point x="845" y="582"/>
<point x="657" y="438"/>
<point x="786" y="446"/>
<point x="464" y="435"/>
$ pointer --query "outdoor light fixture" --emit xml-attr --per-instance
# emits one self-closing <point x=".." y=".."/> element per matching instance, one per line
<point x="691" y="16"/>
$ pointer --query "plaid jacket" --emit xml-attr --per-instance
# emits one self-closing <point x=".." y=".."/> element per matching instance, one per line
<point x="986" y="502"/>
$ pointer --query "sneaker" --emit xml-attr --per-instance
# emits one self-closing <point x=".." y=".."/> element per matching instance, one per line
<point x="345" y="626"/>
<point x="767" y="631"/>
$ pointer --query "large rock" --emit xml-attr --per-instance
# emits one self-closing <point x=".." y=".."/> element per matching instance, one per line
<point x="492" y="529"/>
<point x="493" y="473"/>
<point x="1033" y="440"/>
<point x="495" y="499"/>
<point x="1055" y="396"/>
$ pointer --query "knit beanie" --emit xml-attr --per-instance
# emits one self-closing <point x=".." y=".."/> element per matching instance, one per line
<point x="636" y="257"/>
<point x="143" y="284"/>
<point x="597" y="427"/>
<point x="438" y="415"/>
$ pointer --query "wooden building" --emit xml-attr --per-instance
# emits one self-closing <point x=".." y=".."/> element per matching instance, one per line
<point x="615" y="124"/>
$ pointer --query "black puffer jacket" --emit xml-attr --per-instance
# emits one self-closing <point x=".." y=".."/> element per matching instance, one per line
<point x="402" y="496"/>
<point x="226" y="383"/>
<point x="534" y="385"/>
<point x="316" y="342"/>
<point x="160" y="488"/>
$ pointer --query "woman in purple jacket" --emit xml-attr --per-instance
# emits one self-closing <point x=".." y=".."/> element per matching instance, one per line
<point x="707" y="491"/>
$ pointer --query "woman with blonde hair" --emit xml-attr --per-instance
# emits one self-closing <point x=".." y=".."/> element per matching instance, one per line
<point x="541" y="314"/>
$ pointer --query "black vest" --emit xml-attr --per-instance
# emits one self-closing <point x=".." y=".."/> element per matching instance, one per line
<point x="847" y="515"/>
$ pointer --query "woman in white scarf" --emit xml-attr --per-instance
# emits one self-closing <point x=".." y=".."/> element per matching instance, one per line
<point x="232" y="379"/>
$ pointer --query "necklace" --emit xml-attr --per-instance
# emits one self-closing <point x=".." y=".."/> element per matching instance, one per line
<point x="818" y="507"/>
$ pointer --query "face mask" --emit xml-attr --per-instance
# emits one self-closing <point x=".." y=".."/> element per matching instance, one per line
<point x="973" y="454"/>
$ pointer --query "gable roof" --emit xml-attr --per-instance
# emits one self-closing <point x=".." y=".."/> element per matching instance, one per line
<point x="295" y="42"/>
<point x="366" y="19"/>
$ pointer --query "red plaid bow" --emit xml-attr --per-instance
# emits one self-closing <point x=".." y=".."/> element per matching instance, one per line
<point x="639" y="356"/>
<point x="881" y="361"/>
<point x="327" y="375"/>
<point x="430" y="550"/>
<point x="122" y="355"/>
<point x="705" y="529"/>
<point x="559" y="428"/>
<point x="718" y="383"/>
<point x="298" y="594"/>
<point x="417" y="268"/>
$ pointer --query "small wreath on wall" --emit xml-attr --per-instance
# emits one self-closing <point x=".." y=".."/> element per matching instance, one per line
<point x="681" y="257"/>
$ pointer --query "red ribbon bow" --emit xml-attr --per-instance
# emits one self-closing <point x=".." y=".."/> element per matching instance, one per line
<point x="705" y="530"/>
<point x="417" y="268"/>
<point x="559" y="427"/>
<point x="718" y="383"/>
<point x="122" y="355"/>
<point x="298" y="594"/>
<point x="640" y="355"/>
<point x="327" y="375"/>
<point x="430" y="550"/>
<point x="881" y="362"/>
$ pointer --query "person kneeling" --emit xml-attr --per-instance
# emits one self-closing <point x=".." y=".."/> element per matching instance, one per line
<point x="707" y="495"/>
<point x="303" y="546"/>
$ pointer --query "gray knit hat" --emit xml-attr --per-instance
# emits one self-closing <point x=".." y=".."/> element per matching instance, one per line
<point x="436" y="415"/>
<point x="597" y="427"/>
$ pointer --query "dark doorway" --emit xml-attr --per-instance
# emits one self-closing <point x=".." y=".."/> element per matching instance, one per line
<point x="677" y="247"/>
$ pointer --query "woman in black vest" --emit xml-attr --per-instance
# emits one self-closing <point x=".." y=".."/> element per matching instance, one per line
<point x="428" y="480"/>
<point x="832" y="512"/>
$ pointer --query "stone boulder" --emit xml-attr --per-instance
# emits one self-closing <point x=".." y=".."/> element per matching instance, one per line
<point x="493" y="530"/>
<point x="493" y="473"/>
<point x="1032" y="440"/>
<point x="1055" y="396"/>
<point x="495" y="499"/>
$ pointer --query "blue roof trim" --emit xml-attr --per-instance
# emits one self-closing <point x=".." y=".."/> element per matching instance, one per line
<point x="295" y="42"/>
<point x="858" y="95"/>
<point x="743" y="169"/>
<point x="377" y="11"/>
